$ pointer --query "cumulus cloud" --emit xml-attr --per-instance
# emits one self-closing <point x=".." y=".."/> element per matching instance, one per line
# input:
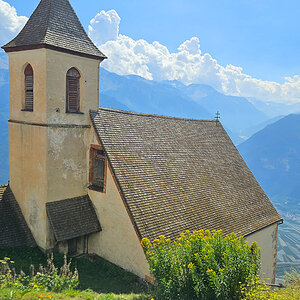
<point x="188" y="64"/>
<point x="10" y="22"/>
<point x="104" y="27"/>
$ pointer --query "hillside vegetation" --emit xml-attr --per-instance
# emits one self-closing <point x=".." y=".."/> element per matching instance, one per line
<point x="108" y="282"/>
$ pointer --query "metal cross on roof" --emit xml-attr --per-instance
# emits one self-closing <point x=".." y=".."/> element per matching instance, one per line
<point x="217" y="117"/>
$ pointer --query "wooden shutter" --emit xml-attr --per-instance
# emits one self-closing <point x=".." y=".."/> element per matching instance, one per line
<point x="98" y="169"/>
<point x="29" y="88"/>
<point x="73" y="91"/>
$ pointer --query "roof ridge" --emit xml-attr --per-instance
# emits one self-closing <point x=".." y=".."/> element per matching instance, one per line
<point x="55" y="25"/>
<point x="151" y="115"/>
<point x="47" y="21"/>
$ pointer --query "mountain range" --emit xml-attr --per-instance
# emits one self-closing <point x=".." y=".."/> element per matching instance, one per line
<point x="240" y="116"/>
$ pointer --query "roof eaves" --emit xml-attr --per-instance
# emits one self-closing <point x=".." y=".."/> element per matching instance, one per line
<point x="51" y="47"/>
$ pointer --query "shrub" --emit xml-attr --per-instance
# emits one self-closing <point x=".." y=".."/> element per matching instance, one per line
<point x="202" y="265"/>
<point x="48" y="278"/>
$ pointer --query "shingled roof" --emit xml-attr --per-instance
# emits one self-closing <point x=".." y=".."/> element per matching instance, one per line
<point x="72" y="218"/>
<point x="55" y="25"/>
<point x="178" y="174"/>
<point x="13" y="227"/>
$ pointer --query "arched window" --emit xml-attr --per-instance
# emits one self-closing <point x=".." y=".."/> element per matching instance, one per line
<point x="73" y="91"/>
<point x="28" y="88"/>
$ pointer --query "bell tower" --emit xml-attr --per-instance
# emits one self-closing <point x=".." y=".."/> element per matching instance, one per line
<point x="54" y="83"/>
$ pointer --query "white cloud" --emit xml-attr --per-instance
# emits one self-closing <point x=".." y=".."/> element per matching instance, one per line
<point x="188" y="64"/>
<point x="104" y="27"/>
<point x="10" y="22"/>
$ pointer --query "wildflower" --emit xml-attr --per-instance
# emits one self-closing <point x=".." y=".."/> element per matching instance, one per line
<point x="209" y="271"/>
<point x="49" y="296"/>
<point x="41" y="295"/>
<point x="190" y="265"/>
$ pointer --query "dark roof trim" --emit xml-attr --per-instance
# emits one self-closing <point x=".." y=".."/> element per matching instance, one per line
<point x="277" y="222"/>
<point x="118" y="184"/>
<point x="45" y="46"/>
<point x="50" y="125"/>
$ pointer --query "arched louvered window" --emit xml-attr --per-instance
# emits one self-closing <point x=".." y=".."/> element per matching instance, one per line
<point x="73" y="91"/>
<point x="28" y="88"/>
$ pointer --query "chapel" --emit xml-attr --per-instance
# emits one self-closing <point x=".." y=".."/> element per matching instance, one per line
<point x="86" y="179"/>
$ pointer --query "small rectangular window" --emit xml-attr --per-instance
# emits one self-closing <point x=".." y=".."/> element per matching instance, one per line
<point x="98" y="169"/>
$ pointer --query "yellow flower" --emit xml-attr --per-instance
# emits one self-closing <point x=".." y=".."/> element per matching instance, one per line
<point x="35" y="286"/>
<point x="209" y="271"/>
<point x="49" y="296"/>
<point x="190" y="265"/>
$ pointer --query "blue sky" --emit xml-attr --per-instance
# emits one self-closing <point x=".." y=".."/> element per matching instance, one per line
<point x="262" y="36"/>
<point x="239" y="47"/>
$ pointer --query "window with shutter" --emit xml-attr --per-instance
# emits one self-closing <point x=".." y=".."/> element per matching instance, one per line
<point x="97" y="170"/>
<point x="73" y="91"/>
<point x="28" y="88"/>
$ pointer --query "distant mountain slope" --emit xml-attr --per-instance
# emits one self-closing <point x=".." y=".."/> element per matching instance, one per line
<point x="273" y="155"/>
<point x="257" y="127"/>
<point x="237" y="113"/>
<point x="273" y="109"/>
<point x="141" y="95"/>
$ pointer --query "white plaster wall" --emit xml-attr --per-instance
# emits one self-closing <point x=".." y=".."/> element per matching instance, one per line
<point x="267" y="241"/>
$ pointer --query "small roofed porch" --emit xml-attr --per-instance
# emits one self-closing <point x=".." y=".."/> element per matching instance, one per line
<point x="72" y="221"/>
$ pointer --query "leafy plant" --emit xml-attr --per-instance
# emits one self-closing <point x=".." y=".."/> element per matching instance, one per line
<point x="48" y="278"/>
<point x="202" y="265"/>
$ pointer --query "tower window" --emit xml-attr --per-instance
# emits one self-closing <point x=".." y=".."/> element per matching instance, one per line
<point x="73" y="91"/>
<point x="28" y="88"/>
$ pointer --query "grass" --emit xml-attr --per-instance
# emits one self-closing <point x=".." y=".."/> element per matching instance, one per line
<point x="101" y="280"/>
<point x="6" y="294"/>
<point x="98" y="275"/>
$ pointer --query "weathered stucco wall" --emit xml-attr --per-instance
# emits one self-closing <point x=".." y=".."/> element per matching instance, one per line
<point x="66" y="163"/>
<point x="267" y="241"/>
<point x="27" y="166"/>
<point x="17" y="64"/>
<point x="118" y="241"/>
<point x="48" y="158"/>
<point x="58" y="64"/>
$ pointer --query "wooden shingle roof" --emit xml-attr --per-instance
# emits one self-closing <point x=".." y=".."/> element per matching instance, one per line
<point x="178" y="174"/>
<point x="55" y="25"/>
<point x="72" y="218"/>
<point x="14" y="231"/>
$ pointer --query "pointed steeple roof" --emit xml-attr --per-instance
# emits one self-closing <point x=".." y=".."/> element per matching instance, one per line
<point x="55" y="25"/>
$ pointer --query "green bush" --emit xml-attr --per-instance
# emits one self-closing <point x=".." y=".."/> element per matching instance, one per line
<point x="48" y="278"/>
<point x="202" y="265"/>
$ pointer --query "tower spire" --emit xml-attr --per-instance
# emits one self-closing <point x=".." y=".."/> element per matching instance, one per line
<point x="55" y="25"/>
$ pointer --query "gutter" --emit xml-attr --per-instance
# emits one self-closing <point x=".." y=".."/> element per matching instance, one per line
<point x="279" y="222"/>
